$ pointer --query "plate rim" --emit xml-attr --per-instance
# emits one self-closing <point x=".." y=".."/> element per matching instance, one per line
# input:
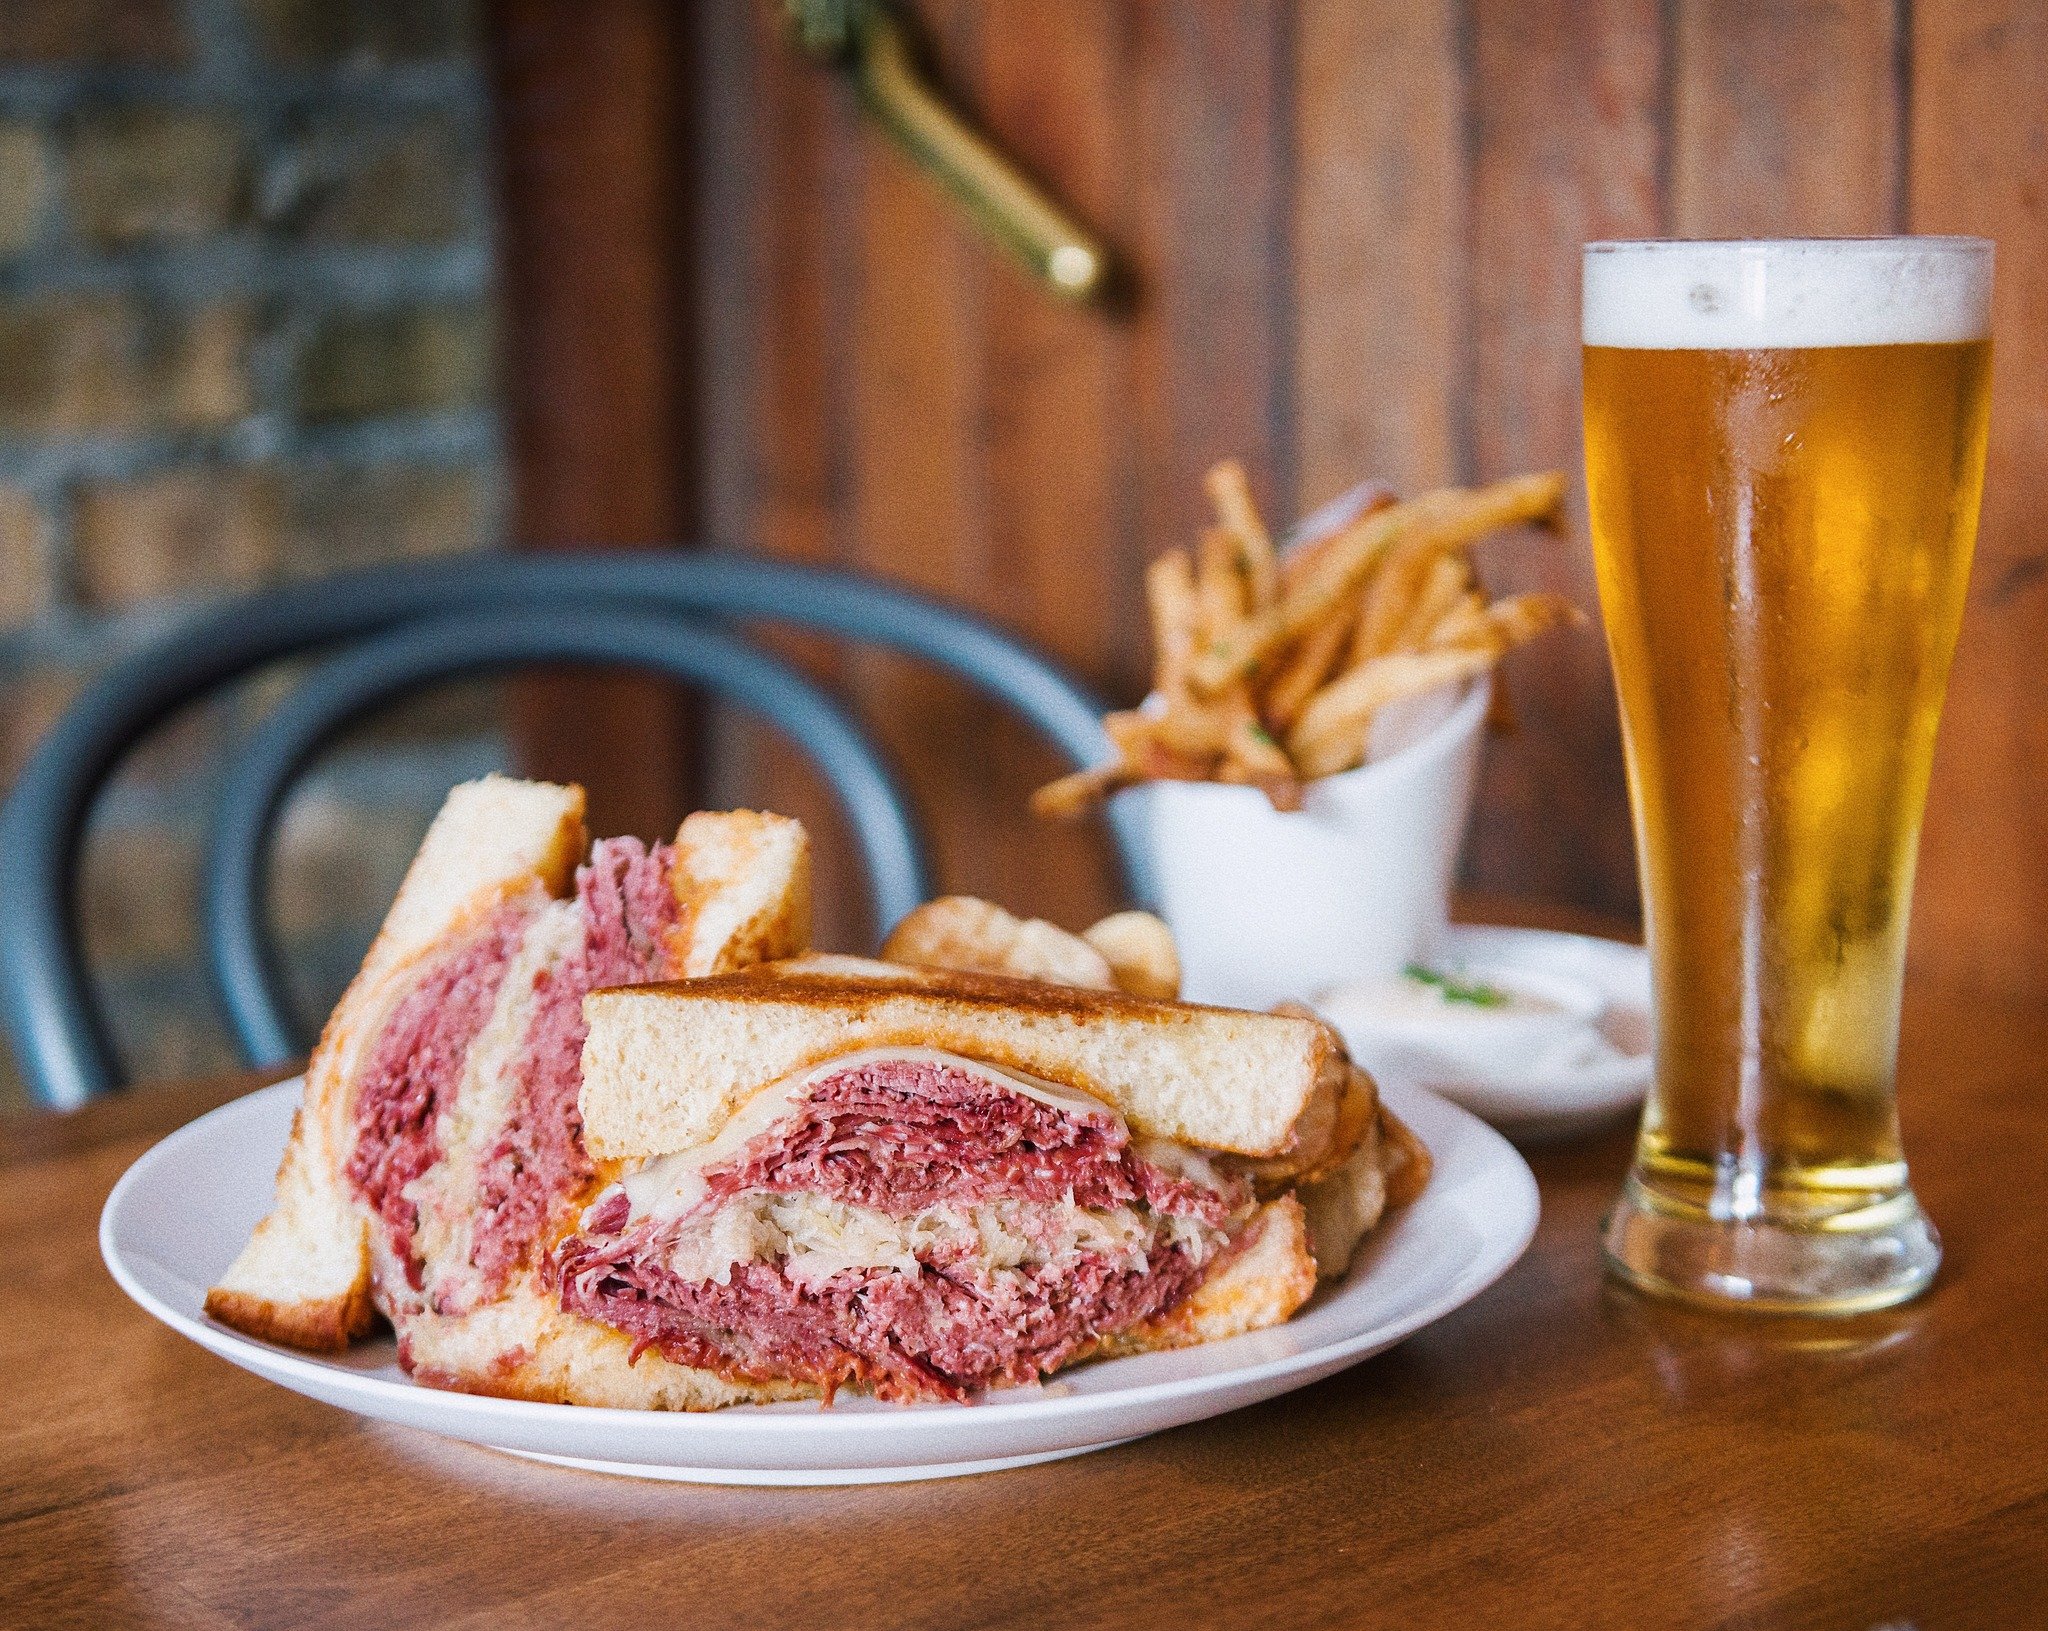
<point x="1517" y="1201"/>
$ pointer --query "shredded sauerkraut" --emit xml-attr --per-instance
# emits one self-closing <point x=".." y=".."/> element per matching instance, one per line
<point x="816" y="1237"/>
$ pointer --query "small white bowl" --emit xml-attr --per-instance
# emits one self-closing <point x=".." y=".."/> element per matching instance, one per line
<point x="1578" y="1067"/>
<point x="1270" y="905"/>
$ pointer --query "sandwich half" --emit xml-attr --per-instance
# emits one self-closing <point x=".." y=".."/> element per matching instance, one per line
<point x="438" y="1151"/>
<point x="835" y="1173"/>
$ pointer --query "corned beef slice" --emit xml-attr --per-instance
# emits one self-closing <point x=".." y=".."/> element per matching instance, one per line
<point x="627" y="908"/>
<point x="415" y="1066"/>
<point x="937" y="1334"/>
<point x="903" y="1136"/>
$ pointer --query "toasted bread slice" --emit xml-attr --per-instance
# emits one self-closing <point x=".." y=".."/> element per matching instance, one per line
<point x="304" y="1277"/>
<point x="666" y="1065"/>
<point x="743" y="880"/>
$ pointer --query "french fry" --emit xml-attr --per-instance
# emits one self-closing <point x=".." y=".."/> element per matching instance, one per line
<point x="1337" y="747"/>
<point x="1453" y="516"/>
<point x="1170" y="597"/>
<point x="1219" y="586"/>
<point x="1297" y="560"/>
<point x="1151" y="744"/>
<point x="1183" y="727"/>
<point x="1331" y="735"/>
<point x="1383" y="605"/>
<point x="1463" y="623"/>
<point x="1521" y="618"/>
<point x="1249" y="752"/>
<point x="1074" y="795"/>
<point x="1254" y="747"/>
<point x="1505" y="624"/>
<point x="1182" y="739"/>
<point x="1231" y="493"/>
<point x="1387" y="607"/>
<point x="1263" y="762"/>
<point x="1446" y="583"/>
<point x="1228" y="723"/>
<point x="1282" y="792"/>
<point x="1307" y="667"/>
<point x="1252" y="750"/>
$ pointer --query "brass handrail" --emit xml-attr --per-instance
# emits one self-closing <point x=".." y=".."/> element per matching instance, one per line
<point x="869" y="39"/>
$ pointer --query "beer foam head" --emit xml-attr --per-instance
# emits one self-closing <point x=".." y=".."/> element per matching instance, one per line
<point x="1776" y="293"/>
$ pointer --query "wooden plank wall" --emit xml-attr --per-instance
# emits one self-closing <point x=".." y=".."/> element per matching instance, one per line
<point x="598" y="290"/>
<point x="1354" y="228"/>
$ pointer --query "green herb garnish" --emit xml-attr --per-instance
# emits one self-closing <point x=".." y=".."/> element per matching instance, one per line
<point x="1475" y="992"/>
<point x="1259" y="733"/>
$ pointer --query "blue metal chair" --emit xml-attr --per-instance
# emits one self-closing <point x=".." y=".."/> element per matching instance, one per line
<point x="389" y="631"/>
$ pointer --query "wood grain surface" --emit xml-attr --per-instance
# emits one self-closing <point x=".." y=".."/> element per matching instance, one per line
<point x="1565" y="148"/>
<point x="1787" y="119"/>
<point x="1380" y="289"/>
<point x="1979" y="156"/>
<point x="1559" y="1453"/>
<point x="599" y="281"/>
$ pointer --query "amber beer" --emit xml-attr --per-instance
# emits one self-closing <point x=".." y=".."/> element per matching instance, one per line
<point x="1784" y="453"/>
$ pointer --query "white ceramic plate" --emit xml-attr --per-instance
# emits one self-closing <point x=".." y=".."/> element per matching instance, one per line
<point x="179" y="1215"/>
<point x="1537" y="1105"/>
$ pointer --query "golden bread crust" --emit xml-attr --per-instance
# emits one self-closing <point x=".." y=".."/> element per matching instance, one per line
<point x="324" y="1325"/>
<point x="768" y="982"/>
<point x="578" y="1361"/>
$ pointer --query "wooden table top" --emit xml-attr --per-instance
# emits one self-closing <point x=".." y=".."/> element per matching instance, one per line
<point x="1558" y="1453"/>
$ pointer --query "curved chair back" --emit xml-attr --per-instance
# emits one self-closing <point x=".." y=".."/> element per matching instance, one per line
<point x="391" y="630"/>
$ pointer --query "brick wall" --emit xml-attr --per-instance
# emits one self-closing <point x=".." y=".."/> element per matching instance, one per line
<point x="245" y="338"/>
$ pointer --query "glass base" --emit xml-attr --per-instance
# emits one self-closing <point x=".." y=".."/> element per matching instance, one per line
<point x="1871" y="1258"/>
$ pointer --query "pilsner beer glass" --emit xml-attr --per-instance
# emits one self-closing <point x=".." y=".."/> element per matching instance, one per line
<point x="1784" y="455"/>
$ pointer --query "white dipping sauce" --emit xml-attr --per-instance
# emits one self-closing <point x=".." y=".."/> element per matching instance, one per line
<point x="1472" y="1022"/>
